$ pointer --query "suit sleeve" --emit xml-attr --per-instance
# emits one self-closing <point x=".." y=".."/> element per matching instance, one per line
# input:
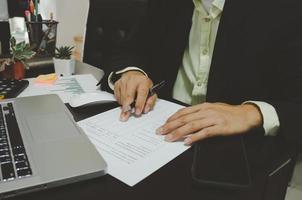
<point x="289" y="106"/>
<point x="135" y="50"/>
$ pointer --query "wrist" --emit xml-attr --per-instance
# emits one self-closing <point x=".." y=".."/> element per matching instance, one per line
<point x="115" y="76"/>
<point x="133" y="72"/>
<point x="253" y="114"/>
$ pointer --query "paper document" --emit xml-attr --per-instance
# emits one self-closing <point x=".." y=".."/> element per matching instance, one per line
<point x="64" y="87"/>
<point x="132" y="149"/>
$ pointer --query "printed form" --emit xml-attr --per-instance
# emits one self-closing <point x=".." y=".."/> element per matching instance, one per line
<point x="132" y="149"/>
<point x="64" y="87"/>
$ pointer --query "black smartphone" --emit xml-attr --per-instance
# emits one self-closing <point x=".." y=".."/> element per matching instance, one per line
<point x="221" y="162"/>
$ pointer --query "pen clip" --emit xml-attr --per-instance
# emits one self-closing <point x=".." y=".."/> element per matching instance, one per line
<point x="99" y="83"/>
<point x="156" y="87"/>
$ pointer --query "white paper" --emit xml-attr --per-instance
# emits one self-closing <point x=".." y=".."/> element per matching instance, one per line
<point x="3" y="10"/>
<point x="18" y="29"/>
<point x="64" y="87"/>
<point x="132" y="149"/>
<point x="91" y="98"/>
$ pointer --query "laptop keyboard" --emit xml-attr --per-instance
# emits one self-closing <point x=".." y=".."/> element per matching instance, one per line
<point x="11" y="88"/>
<point x="13" y="158"/>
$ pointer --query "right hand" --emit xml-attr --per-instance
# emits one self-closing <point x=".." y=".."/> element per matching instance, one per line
<point x="134" y="86"/>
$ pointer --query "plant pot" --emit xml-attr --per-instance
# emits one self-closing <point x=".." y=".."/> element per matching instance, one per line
<point x="64" y="67"/>
<point x="14" y="71"/>
<point x="18" y="70"/>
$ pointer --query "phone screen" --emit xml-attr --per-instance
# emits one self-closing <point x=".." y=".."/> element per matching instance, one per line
<point x="221" y="162"/>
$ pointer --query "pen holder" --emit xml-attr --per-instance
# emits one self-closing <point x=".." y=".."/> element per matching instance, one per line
<point x="43" y="36"/>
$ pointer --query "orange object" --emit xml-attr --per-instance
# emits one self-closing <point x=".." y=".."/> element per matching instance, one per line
<point x="48" y="79"/>
<point x="31" y="6"/>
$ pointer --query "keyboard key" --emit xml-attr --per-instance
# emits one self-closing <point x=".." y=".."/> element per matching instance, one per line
<point x="24" y="172"/>
<point x="8" y="171"/>
<point x="21" y="165"/>
<point x="5" y="159"/>
<point x="13" y="131"/>
<point x="3" y="136"/>
<point x="3" y="140"/>
<point x="18" y="151"/>
<point x="4" y="153"/>
<point x="12" y="87"/>
<point x="20" y="158"/>
<point x="4" y="146"/>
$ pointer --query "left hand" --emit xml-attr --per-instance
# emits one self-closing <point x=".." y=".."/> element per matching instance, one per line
<point x="210" y="119"/>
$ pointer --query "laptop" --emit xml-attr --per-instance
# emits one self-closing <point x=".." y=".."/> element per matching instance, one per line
<point x="42" y="147"/>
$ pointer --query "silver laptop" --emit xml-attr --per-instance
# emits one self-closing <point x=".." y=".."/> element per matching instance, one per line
<point x="41" y="146"/>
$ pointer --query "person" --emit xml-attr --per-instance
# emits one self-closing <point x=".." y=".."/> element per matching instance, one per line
<point x="237" y="63"/>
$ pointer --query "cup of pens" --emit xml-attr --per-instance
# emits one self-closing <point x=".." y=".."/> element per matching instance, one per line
<point x="42" y="36"/>
<point x="42" y="33"/>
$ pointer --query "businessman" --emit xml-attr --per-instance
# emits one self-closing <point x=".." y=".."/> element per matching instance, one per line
<point x="238" y="63"/>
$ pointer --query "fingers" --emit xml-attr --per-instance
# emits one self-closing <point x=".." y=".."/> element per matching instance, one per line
<point x="175" y="123"/>
<point x="117" y="92"/>
<point x="133" y="86"/>
<point x="142" y="94"/>
<point x="150" y="103"/>
<point x="189" y="129"/>
<point x="128" y="95"/>
<point x="125" y="116"/>
<point x="179" y="122"/>
<point x="188" y="110"/>
<point x="203" y="134"/>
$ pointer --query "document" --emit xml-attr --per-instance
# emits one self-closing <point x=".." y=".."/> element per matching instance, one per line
<point x="64" y="87"/>
<point x="132" y="149"/>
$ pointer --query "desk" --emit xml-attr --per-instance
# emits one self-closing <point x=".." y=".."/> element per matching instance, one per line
<point x="80" y="68"/>
<point x="173" y="181"/>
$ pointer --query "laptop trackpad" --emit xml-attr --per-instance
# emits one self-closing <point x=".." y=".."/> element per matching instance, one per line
<point x="51" y="127"/>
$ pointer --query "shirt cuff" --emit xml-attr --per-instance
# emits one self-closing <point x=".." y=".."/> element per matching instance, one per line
<point x="110" y="82"/>
<point x="270" y="117"/>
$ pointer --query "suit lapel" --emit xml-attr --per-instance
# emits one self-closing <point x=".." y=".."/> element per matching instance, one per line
<point x="227" y="45"/>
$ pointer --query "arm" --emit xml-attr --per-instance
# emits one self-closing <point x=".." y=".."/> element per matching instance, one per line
<point x="216" y="119"/>
<point x="136" y="50"/>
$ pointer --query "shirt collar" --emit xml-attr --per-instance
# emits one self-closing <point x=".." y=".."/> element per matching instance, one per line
<point x="215" y="11"/>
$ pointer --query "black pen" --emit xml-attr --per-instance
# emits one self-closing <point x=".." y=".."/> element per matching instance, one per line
<point x="153" y="90"/>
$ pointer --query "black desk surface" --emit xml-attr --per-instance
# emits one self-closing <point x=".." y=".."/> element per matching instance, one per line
<point x="173" y="181"/>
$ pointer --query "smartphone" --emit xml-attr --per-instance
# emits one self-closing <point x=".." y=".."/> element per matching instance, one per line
<point x="221" y="162"/>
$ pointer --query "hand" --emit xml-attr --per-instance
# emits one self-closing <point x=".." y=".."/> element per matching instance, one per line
<point x="134" y="86"/>
<point x="209" y="120"/>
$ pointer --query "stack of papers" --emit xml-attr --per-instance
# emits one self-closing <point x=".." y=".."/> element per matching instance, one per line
<point x="64" y="87"/>
<point x="132" y="149"/>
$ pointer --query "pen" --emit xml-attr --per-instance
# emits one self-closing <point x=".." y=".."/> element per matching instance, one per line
<point x="36" y="9"/>
<point x="31" y="7"/>
<point x="153" y="90"/>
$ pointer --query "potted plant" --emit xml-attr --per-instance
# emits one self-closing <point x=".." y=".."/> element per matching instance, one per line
<point x="21" y="52"/>
<point x="64" y="64"/>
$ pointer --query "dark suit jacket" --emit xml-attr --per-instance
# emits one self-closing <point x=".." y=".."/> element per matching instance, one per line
<point x="257" y="55"/>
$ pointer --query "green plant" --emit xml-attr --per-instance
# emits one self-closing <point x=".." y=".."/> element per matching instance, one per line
<point x="20" y="52"/>
<point x="63" y="52"/>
